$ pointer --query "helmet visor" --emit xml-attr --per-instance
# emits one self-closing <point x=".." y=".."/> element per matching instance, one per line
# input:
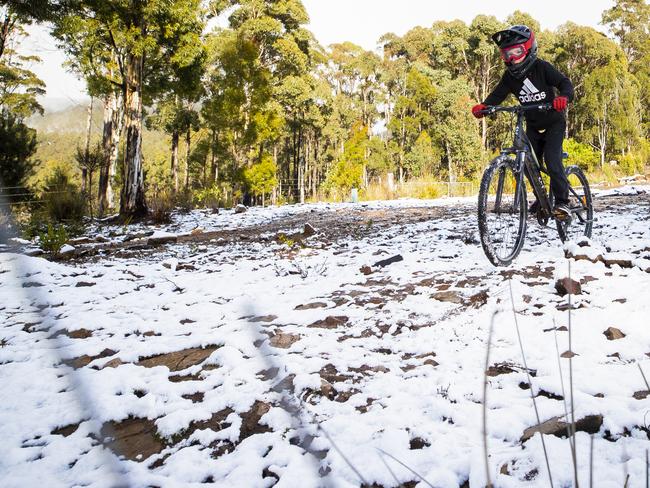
<point x="513" y="53"/>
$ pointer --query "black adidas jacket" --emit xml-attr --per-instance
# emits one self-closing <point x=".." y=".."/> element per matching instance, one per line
<point x="535" y="87"/>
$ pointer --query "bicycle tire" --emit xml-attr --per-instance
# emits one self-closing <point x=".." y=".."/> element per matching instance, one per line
<point x="499" y="250"/>
<point x="582" y="209"/>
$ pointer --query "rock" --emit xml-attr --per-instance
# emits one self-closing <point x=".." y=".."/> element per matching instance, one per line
<point x="34" y="252"/>
<point x="310" y="306"/>
<point x="308" y="230"/>
<point x="80" y="334"/>
<point x="66" y="251"/>
<point x="448" y="296"/>
<point x="330" y="322"/>
<point x="250" y="420"/>
<point x="134" y="438"/>
<point x="240" y="208"/>
<point x="418" y="443"/>
<point x="179" y="360"/>
<point x="386" y="262"/>
<point x="66" y="430"/>
<point x="641" y="395"/>
<point x="18" y="241"/>
<point x="263" y="318"/>
<point x="366" y="270"/>
<point x="617" y="259"/>
<point x="113" y="363"/>
<point x="84" y="360"/>
<point x="327" y="390"/>
<point x="82" y="284"/>
<point x="162" y="238"/>
<point x="479" y="299"/>
<point x="612" y="334"/>
<point x="283" y="341"/>
<point x="568" y="286"/>
<point x="590" y="424"/>
<point x="499" y="369"/>
<point x="568" y="354"/>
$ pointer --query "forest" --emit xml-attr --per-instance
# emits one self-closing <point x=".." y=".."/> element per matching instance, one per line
<point x="224" y="102"/>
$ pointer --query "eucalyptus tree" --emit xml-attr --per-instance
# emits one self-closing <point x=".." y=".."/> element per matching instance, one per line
<point x="19" y="89"/>
<point x="141" y="36"/>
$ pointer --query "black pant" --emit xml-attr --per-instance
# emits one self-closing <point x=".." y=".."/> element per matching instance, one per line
<point x="548" y="147"/>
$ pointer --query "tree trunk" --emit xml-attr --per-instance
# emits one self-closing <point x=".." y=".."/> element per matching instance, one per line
<point x="132" y="201"/>
<point x="107" y="138"/>
<point x="110" y="144"/>
<point x="188" y="140"/>
<point x="450" y="167"/>
<point x="118" y="126"/>
<point x="84" y="170"/>
<point x="214" y="170"/>
<point x="174" y="161"/>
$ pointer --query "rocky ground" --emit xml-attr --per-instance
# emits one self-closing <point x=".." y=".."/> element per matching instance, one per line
<point x="325" y="345"/>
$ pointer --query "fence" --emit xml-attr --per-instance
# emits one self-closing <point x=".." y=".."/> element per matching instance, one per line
<point x="17" y="195"/>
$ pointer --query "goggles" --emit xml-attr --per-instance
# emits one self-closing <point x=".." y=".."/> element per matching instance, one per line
<point x="514" y="53"/>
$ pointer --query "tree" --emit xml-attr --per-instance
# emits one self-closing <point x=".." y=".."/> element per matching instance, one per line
<point x="144" y="37"/>
<point x="421" y="159"/>
<point x="19" y="87"/>
<point x="261" y="177"/>
<point x="629" y="21"/>
<point x="609" y="103"/>
<point x="17" y="148"/>
<point x="348" y="171"/>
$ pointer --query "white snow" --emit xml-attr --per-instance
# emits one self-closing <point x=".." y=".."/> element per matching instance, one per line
<point x="409" y="357"/>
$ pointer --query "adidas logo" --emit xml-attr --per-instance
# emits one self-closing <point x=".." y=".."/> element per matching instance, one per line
<point x="530" y="93"/>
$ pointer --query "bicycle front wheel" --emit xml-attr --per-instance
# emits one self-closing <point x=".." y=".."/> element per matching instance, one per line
<point x="581" y="205"/>
<point x="502" y="212"/>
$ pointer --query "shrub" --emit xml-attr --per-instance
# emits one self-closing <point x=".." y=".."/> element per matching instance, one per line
<point x="631" y="163"/>
<point x="581" y="154"/>
<point x="208" y="197"/>
<point x="184" y="201"/>
<point x="53" y="239"/>
<point x="161" y="206"/>
<point x="63" y="202"/>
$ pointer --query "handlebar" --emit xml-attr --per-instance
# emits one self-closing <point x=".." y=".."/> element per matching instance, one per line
<point x="517" y="109"/>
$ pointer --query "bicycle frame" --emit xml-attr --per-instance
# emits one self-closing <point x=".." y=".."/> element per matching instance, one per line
<point x="526" y="165"/>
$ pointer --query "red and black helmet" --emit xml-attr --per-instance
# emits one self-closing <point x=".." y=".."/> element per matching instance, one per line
<point x="515" y="43"/>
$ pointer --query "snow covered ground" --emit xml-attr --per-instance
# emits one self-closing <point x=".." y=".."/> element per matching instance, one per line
<point x="284" y="359"/>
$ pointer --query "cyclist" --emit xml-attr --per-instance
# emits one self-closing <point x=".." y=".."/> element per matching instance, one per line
<point x="532" y="81"/>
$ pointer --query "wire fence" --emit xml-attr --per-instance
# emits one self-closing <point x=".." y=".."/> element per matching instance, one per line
<point x="21" y="195"/>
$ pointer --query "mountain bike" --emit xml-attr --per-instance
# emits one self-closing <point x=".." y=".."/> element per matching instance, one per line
<point x="502" y="202"/>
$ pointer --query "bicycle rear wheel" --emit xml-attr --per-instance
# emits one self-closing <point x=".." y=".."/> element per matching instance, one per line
<point x="581" y="205"/>
<point x="501" y="212"/>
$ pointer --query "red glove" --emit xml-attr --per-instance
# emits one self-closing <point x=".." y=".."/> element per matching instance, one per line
<point x="560" y="103"/>
<point x="477" y="109"/>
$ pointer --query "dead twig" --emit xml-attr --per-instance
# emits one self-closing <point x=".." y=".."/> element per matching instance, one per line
<point x="407" y="467"/>
<point x="530" y="382"/>
<point x="485" y="383"/>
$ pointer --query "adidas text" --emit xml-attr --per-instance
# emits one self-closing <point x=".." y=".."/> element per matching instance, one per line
<point x="532" y="97"/>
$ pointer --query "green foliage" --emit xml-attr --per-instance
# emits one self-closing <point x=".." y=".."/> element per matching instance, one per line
<point x="209" y="197"/>
<point x="581" y="154"/>
<point x="19" y="87"/>
<point x="62" y="200"/>
<point x="269" y="111"/>
<point x="422" y="157"/>
<point x="347" y="173"/>
<point x="261" y="177"/>
<point x="52" y="240"/>
<point x="17" y="148"/>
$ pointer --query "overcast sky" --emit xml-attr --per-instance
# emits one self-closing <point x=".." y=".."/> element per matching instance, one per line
<point x="359" y="21"/>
